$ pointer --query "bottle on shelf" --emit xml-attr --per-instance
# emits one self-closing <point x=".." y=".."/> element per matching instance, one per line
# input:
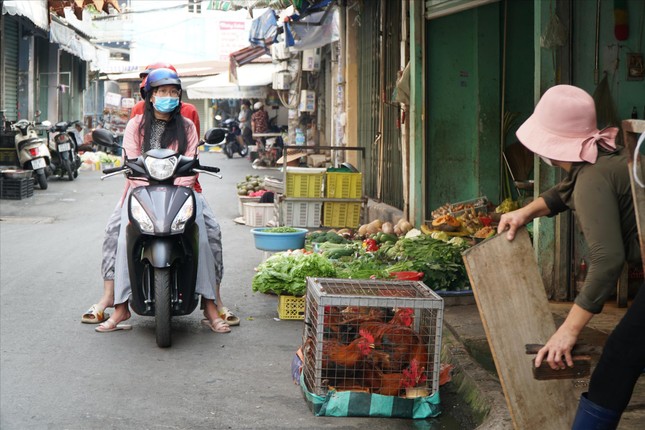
<point x="634" y="113"/>
<point x="581" y="275"/>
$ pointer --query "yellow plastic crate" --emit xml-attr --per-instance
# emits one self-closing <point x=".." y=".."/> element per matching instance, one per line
<point x="342" y="185"/>
<point x="291" y="307"/>
<point x="341" y="214"/>
<point x="304" y="182"/>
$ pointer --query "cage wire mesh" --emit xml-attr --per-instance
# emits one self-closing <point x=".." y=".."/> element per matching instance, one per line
<point x="373" y="336"/>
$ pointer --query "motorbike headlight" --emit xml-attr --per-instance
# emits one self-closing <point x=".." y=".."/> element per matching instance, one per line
<point x="141" y="217"/>
<point x="182" y="217"/>
<point x="161" y="169"/>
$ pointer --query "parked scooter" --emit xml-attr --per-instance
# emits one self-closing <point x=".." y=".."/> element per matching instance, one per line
<point x="233" y="142"/>
<point x="162" y="236"/>
<point x="64" y="150"/>
<point x="32" y="150"/>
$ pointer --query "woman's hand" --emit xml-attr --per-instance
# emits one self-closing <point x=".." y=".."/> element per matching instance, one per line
<point x="512" y="221"/>
<point x="559" y="346"/>
<point x="564" y="339"/>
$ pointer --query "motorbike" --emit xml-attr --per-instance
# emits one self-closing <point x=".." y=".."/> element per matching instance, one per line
<point x="233" y="141"/>
<point x="32" y="150"/>
<point x="162" y="234"/>
<point x="63" y="147"/>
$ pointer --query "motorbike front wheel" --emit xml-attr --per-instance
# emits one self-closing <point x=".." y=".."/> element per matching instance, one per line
<point x="69" y="169"/>
<point x="41" y="178"/>
<point x="228" y="150"/>
<point x="162" y="306"/>
<point x="244" y="151"/>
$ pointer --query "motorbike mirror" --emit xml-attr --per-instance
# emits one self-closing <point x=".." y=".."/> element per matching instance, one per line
<point x="214" y="136"/>
<point x="104" y="137"/>
<point x="47" y="123"/>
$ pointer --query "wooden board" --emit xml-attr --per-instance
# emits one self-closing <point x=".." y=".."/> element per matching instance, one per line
<point x="514" y="310"/>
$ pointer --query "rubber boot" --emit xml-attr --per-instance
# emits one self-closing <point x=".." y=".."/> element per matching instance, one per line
<point x="591" y="416"/>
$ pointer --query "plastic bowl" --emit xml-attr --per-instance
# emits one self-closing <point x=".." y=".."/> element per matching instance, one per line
<point x="278" y="241"/>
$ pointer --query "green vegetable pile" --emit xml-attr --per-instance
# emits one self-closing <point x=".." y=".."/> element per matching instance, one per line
<point x="280" y="230"/>
<point x="285" y="273"/>
<point x="329" y="236"/>
<point x="440" y="261"/>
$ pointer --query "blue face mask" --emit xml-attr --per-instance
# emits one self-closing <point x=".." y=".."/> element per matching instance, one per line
<point x="166" y="104"/>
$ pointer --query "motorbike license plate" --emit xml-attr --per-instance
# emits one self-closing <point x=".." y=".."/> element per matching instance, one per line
<point x="38" y="163"/>
<point x="63" y="147"/>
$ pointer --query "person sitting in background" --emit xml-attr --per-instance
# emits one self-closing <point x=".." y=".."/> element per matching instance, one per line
<point x="562" y="132"/>
<point x="244" y="118"/>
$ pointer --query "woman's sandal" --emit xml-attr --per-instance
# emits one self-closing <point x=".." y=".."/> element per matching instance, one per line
<point x="94" y="315"/>
<point x="218" y="326"/>
<point x="228" y="316"/>
<point x="110" y="325"/>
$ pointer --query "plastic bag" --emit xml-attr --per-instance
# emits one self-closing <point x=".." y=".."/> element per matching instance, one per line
<point x="555" y="33"/>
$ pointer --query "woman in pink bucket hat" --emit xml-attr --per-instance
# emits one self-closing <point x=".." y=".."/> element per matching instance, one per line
<point x="562" y="131"/>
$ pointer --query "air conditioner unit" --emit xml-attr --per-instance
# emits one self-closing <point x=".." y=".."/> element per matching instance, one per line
<point x="307" y="101"/>
<point x="311" y="60"/>
<point x="280" y="52"/>
<point x="281" y="80"/>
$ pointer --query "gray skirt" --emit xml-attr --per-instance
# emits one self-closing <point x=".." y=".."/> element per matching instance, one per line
<point x="210" y="267"/>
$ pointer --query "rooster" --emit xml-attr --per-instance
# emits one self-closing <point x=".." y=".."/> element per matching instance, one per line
<point x="403" y="317"/>
<point x="395" y="346"/>
<point x="350" y="355"/>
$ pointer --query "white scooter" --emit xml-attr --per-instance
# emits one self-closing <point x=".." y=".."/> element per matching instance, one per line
<point x="32" y="150"/>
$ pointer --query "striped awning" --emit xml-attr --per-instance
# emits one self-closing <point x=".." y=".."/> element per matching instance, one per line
<point x="227" y="5"/>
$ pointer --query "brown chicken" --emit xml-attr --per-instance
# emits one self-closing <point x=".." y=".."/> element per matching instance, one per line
<point x="349" y="355"/>
<point x="395" y="346"/>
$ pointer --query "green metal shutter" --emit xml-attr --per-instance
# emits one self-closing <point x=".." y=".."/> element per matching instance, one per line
<point x="10" y="95"/>
<point x="380" y="55"/>
<point x="368" y="92"/>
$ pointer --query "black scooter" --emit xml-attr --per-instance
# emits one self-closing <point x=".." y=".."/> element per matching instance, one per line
<point x="233" y="141"/>
<point x="162" y="235"/>
<point x="63" y="146"/>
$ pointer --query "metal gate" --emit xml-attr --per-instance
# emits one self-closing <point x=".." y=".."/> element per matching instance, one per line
<point x="378" y="133"/>
<point x="10" y="69"/>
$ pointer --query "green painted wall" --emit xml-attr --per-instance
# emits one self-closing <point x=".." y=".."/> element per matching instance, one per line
<point x="462" y="105"/>
<point x="612" y="53"/>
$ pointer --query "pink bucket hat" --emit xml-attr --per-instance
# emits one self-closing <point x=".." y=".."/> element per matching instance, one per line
<point x="563" y="127"/>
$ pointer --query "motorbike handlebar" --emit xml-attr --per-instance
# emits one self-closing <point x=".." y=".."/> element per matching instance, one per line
<point x="112" y="170"/>
<point x="209" y="169"/>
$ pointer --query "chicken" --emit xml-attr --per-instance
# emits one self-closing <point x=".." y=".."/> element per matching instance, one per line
<point x="349" y="355"/>
<point x="400" y="344"/>
<point x="403" y="317"/>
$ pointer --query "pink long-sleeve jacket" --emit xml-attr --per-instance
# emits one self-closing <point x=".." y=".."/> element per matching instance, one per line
<point x="133" y="142"/>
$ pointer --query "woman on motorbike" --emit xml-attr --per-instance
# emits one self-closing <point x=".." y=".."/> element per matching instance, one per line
<point x="161" y="126"/>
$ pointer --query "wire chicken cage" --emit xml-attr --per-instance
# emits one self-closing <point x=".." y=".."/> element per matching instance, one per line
<point x="374" y="336"/>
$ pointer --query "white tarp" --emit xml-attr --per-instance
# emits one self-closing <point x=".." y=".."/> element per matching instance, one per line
<point x="34" y="10"/>
<point x="252" y="81"/>
<point x="76" y="45"/>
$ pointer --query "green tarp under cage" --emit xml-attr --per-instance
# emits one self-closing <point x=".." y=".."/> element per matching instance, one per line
<point x="357" y="404"/>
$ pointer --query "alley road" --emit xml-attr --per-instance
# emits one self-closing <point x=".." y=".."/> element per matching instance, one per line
<point x="56" y="373"/>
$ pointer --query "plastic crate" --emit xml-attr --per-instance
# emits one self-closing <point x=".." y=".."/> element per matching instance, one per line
<point x="16" y="189"/>
<point x="291" y="307"/>
<point x="245" y="199"/>
<point x="341" y="185"/>
<point x="258" y="214"/>
<point x="341" y="214"/>
<point x="304" y="182"/>
<point x="404" y="318"/>
<point x="301" y="214"/>
<point x="8" y="157"/>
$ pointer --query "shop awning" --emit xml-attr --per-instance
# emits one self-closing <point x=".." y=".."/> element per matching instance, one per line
<point x="35" y="10"/>
<point x="58" y="6"/>
<point x="253" y="81"/>
<point x="227" y="5"/>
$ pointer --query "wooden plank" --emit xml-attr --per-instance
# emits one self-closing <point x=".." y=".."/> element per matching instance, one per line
<point x="514" y="310"/>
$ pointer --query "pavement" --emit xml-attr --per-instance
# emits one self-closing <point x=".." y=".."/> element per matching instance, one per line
<point x="466" y="347"/>
<point x="235" y="381"/>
